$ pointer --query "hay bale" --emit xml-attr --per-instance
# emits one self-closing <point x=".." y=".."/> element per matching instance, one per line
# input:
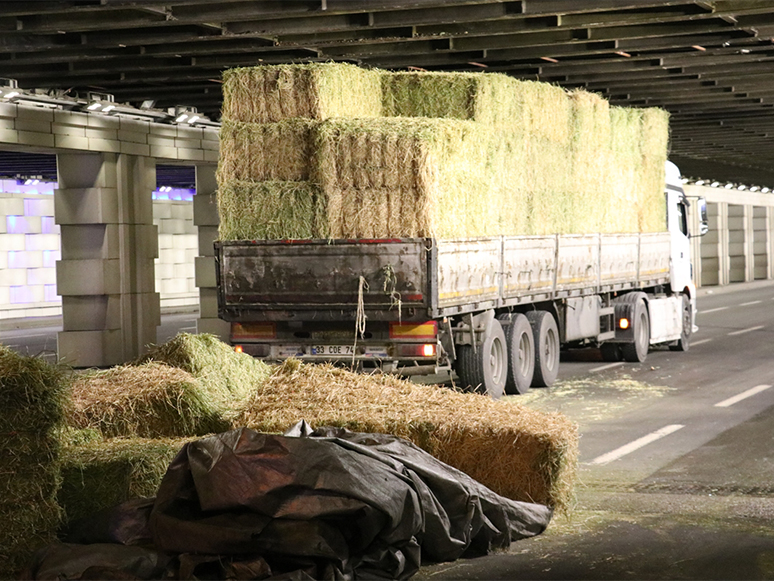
<point x="103" y="473"/>
<point x="152" y="400"/>
<point x="271" y="210"/>
<point x="265" y="151"/>
<point x="226" y="376"/>
<point x="266" y="94"/>
<point x="33" y="396"/>
<point x="519" y="453"/>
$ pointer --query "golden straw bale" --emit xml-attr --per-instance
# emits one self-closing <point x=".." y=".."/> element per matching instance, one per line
<point x="266" y="94"/>
<point x="152" y="400"/>
<point x="518" y="452"/>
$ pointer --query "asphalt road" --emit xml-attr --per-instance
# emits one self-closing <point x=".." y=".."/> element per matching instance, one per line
<point x="677" y="455"/>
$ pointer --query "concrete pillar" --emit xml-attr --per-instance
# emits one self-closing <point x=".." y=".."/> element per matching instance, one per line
<point x="206" y="219"/>
<point x="761" y="244"/>
<point x="738" y="252"/>
<point x="110" y="309"/>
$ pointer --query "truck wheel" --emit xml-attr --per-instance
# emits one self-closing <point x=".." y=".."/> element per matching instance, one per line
<point x="521" y="352"/>
<point x="546" y="336"/>
<point x="637" y="351"/>
<point x="484" y="369"/>
<point x="684" y="342"/>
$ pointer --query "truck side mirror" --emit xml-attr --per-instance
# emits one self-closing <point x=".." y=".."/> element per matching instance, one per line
<point x="701" y="204"/>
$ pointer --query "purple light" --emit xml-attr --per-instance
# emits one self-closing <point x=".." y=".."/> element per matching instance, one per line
<point x="49" y="294"/>
<point x="21" y="295"/>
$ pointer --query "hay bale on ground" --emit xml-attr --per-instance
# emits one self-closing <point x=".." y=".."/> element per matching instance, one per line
<point x="519" y="453"/>
<point x="149" y="401"/>
<point x="33" y="396"/>
<point x="100" y="474"/>
<point x="226" y="376"/>
<point x="266" y="94"/>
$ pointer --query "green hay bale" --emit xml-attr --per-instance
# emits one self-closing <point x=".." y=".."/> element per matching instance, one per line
<point x="518" y="452"/>
<point x="33" y="397"/>
<point x="102" y="474"/>
<point x="266" y="94"/>
<point x="265" y="151"/>
<point x="226" y="376"/>
<point x="149" y="401"/>
<point x="270" y="210"/>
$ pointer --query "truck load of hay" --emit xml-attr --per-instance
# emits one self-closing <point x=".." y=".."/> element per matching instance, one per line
<point x="446" y="155"/>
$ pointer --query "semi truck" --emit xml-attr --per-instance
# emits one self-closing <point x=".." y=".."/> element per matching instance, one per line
<point x="495" y="310"/>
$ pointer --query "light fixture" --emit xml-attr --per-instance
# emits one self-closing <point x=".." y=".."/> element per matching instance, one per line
<point x="729" y="186"/>
<point x="754" y="188"/>
<point x="765" y="190"/>
<point x="700" y="183"/>
<point x="714" y="184"/>
<point x="741" y="187"/>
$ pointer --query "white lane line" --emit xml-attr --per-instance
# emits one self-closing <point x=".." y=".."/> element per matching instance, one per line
<point x="743" y="331"/>
<point x="712" y="310"/>
<point x="750" y="303"/>
<point x="694" y="343"/>
<point x="188" y="328"/>
<point x="637" y="444"/>
<point x="744" y="395"/>
<point x="608" y="366"/>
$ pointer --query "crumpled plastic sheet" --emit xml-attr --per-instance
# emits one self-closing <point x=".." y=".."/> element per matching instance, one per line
<point x="328" y="504"/>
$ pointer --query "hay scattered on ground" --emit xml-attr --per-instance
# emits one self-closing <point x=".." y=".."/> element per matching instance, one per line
<point x="101" y="474"/>
<point x="33" y="395"/>
<point x="226" y="376"/>
<point x="266" y="94"/>
<point x="517" y="452"/>
<point x="149" y="401"/>
<point x="455" y="155"/>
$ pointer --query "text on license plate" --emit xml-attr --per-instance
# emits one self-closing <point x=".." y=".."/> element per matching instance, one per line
<point x="333" y="350"/>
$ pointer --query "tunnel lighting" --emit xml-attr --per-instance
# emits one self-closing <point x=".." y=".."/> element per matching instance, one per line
<point x="754" y="189"/>
<point x="548" y="59"/>
<point x="622" y="53"/>
<point x="698" y="47"/>
<point x="715" y="184"/>
<point x="741" y="187"/>
<point x="700" y="183"/>
<point x="765" y="190"/>
<point x="729" y="186"/>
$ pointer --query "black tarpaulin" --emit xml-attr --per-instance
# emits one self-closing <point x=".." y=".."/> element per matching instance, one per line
<point x="330" y="504"/>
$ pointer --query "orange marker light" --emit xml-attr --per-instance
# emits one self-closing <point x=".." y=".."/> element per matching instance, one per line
<point x="428" y="350"/>
<point x="623" y="323"/>
<point x="238" y="349"/>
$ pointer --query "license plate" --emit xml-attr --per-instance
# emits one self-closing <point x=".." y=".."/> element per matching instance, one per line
<point x="332" y="350"/>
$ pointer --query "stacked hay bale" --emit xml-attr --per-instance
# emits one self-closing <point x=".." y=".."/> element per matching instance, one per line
<point x="517" y="452"/>
<point x="428" y="154"/>
<point x="32" y="401"/>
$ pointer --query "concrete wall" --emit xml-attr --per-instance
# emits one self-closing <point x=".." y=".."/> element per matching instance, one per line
<point x="739" y="246"/>
<point x="30" y="246"/>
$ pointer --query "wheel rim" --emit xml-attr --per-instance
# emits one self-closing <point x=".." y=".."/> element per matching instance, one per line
<point x="497" y="361"/>
<point x="525" y="354"/>
<point x="551" y="349"/>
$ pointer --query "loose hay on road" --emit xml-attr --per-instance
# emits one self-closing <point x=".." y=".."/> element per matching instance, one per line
<point x="517" y="452"/>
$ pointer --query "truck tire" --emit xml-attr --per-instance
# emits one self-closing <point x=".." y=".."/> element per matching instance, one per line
<point x="684" y="342"/>
<point x="521" y="352"/>
<point x="637" y="351"/>
<point x="546" y="336"/>
<point x="484" y="369"/>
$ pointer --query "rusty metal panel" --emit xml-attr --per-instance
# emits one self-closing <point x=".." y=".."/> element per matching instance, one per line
<point x="529" y="264"/>
<point x="260" y="276"/>
<point x="468" y="271"/>
<point x="655" y="251"/>
<point x="577" y="262"/>
<point x="618" y="257"/>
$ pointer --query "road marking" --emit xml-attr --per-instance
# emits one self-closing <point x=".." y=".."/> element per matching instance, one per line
<point x="712" y="310"/>
<point x="636" y="445"/>
<point x="608" y="366"/>
<point x="743" y="331"/>
<point x="694" y="343"/>
<point x="744" y="395"/>
<point x="750" y="303"/>
<point x="188" y="328"/>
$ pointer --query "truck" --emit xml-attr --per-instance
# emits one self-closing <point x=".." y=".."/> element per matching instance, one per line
<point x="495" y="310"/>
